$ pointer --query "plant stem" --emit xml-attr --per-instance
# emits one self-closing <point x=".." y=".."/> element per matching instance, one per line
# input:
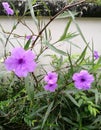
<point x="52" y="18"/>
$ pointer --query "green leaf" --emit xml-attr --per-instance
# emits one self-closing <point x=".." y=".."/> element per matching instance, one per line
<point x="90" y="109"/>
<point x="72" y="99"/>
<point x="97" y="65"/>
<point x="97" y="120"/>
<point x="29" y="88"/>
<point x="69" y="36"/>
<point x="54" y="48"/>
<point x="70" y="61"/>
<point x="82" y="56"/>
<point x="65" y="14"/>
<point x="40" y="94"/>
<point x="97" y="95"/>
<point x="33" y="2"/>
<point x="65" y="31"/>
<point x="69" y="121"/>
<point x="26" y="47"/>
<point x="39" y="110"/>
<point x="47" y="113"/>
<point x="32" y="11"/>
<point x="79" y="30"/>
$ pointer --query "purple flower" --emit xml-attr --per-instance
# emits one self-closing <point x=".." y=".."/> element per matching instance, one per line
<point x="7" y="8"/>
<point x="96" y="55"/>
<point x="5" y="5"/>
<point x="83" y="80"/>
<point x="51" y="78"/>
<point x="50" y="87"/>
<point x="21" y="62"/>
<point x="32" y="37"/>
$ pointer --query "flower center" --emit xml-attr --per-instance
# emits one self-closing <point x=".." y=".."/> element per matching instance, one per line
<point x="83" y="79"/>
<point x="21" y="61"/>
<point x="50" y="77"/>
<point x="50" y="85"/>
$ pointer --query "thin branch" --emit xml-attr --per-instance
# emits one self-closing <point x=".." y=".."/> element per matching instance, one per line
<point x="52" y="18"/>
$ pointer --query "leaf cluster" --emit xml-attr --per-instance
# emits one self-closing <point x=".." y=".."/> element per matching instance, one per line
<point x="24" y="104"/>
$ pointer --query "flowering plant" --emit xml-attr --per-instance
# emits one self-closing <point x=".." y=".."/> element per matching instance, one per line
<point x="67" y="96"/>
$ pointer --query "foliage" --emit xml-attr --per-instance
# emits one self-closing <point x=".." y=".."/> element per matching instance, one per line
<point x="25" y="104"/>
<point x="95" y="1"/>
<point x="89" y="1"/>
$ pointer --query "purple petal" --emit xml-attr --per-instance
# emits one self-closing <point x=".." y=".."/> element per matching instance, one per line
<point x="31" y="66"/>
<point x="50" y="87"/>
<point x="32" y="37"/>
<point x="21" y="62"/>
<point x="5" y="5"/>
<point x="20" y="72"/>
<point x="10" y="11"/>
<point x="18" y="52"/>
<point x="29" y="55"/>
<point x="10" y="63"/>
<point x="51" y="78"/>
<point x="96" y="55"/>
<point x="83" y="80"/>
<point x="7" y="8"/>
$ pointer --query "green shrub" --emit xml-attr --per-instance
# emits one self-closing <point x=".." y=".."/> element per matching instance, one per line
<point x="25" y="102"/>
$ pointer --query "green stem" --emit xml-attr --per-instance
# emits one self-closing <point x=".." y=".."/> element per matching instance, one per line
<point x="52" y="18"/>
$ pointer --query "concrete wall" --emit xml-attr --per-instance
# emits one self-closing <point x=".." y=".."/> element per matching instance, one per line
<point x="91" y="28"/>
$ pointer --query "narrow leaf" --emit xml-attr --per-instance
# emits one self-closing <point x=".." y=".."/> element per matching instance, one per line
<point x="70" y="61"/>
<point x="65" y="14"/>
<point x="72" y="99"/>
<point x="29" y="88"/>
<point x="81" y="57"/>
<point x="55" y="49"/>
<point x="32" y="11"/>
<point x="78" y="28"/>
<point x="26" y="47"/>
<point x="69" y="121"/>
<point x="34" y="113"/>
<point x="65" y="31"/>
<point x="47" y="113"/>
